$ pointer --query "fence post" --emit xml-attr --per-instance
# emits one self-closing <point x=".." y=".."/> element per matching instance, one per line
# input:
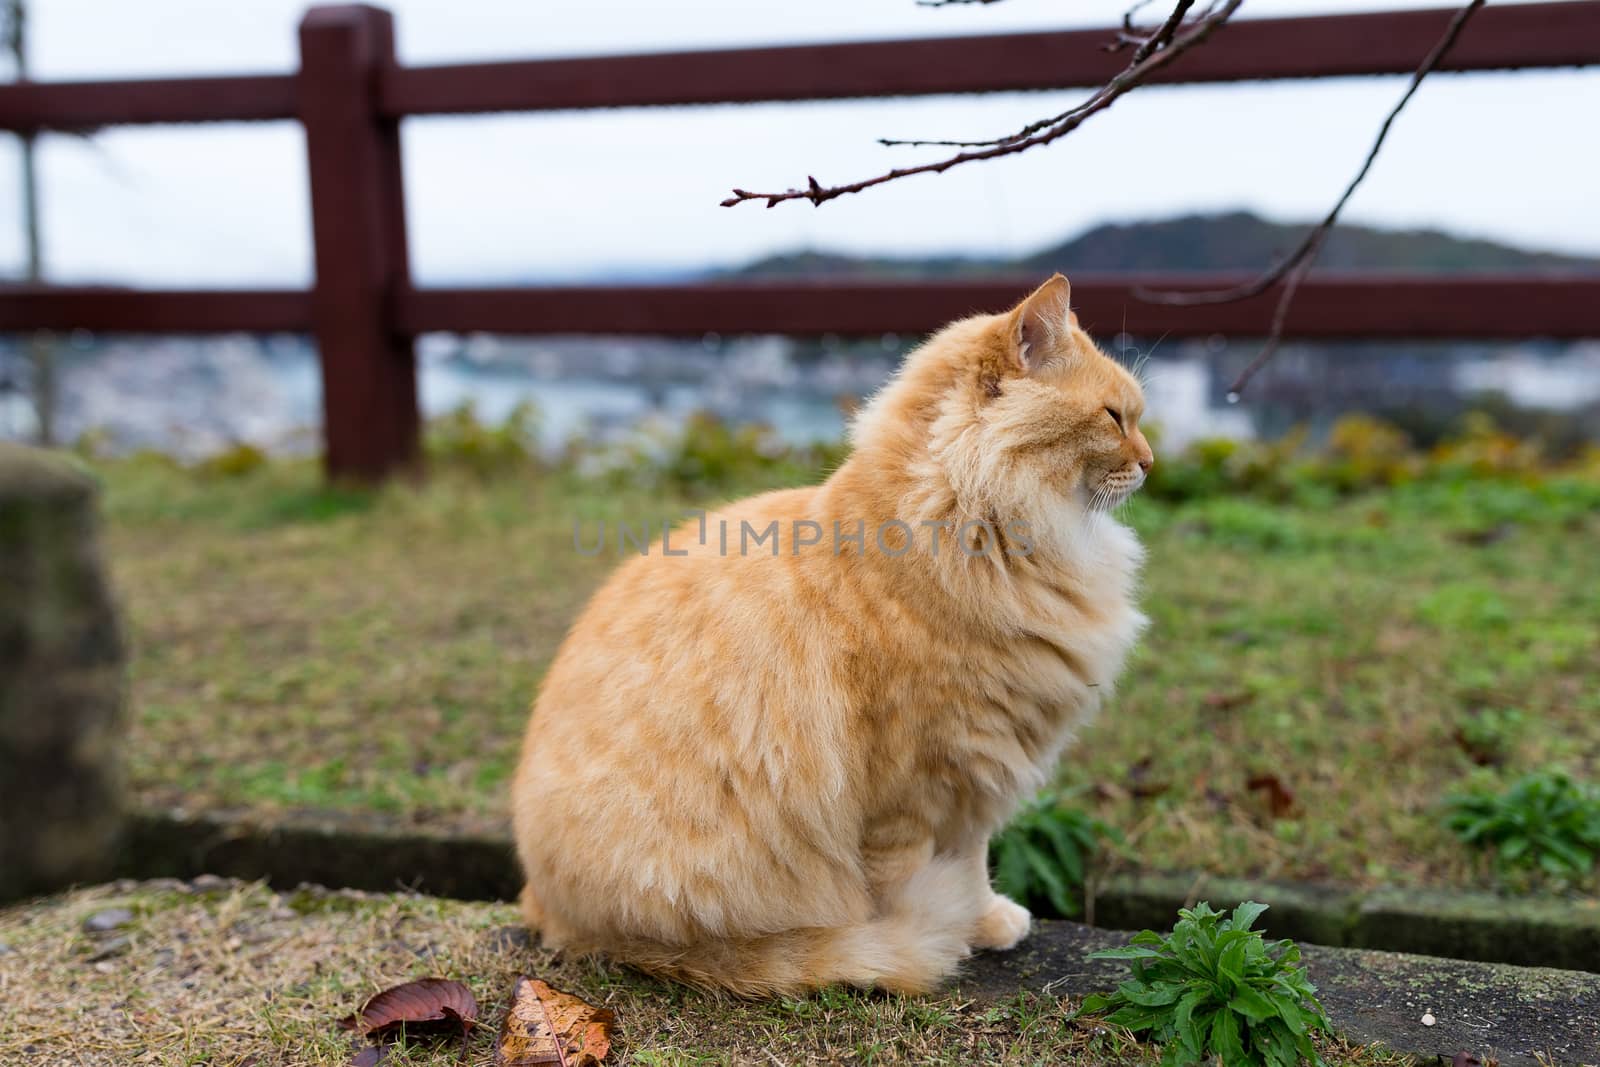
<point x="369" y="371"/>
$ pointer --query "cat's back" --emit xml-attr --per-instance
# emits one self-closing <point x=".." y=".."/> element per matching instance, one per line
<point x="707" y="636"/>
<point x="721" y="567"/>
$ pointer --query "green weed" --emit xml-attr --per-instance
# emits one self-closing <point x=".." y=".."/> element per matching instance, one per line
<point x="1214" y="988"/>
<point x="1042" y="857"/>
<point x="1546" y="820"/>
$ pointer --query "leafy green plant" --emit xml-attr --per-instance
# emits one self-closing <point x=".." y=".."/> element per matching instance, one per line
<point x="459" y="438"/>
<point x="1042" y="856"/>
<point x="1361" y="454"/>
<point x="235" y="461"/>
<point x="1214" y="987"/>
<point x="1545" y="820"/>
<point x="706" y="455"/>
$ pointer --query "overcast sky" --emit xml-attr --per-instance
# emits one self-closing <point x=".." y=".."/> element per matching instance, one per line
<point x="1508" y="156"/>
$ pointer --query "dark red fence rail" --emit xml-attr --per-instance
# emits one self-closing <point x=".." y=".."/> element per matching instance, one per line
<point x="1330" y="305"/>
<point x="350" y="95"/>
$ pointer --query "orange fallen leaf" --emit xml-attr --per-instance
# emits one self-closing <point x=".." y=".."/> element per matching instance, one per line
<point x="428" y="1003"/>
<point x="547" y="1026"/>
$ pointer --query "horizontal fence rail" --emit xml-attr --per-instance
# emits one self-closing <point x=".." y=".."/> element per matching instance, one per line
<point x="1328" y="306"/>
<point x="1529" y="36"/>
<point x="1325" y="307"/>
<point x="1525" y="36"/>
<point x="61" y="307"/>
<point x="31" y="106"/>
<point x="351" y="94"/>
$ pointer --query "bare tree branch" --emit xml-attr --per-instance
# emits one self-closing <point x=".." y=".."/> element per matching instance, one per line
<point x="1148" y="43"/>
<point x="1162" y="37"/>
<point x="1165" y="45"/>
<point x="1154" y="49"/>
<point x="1130" y="32"/>
<point x="1293" y="268"/>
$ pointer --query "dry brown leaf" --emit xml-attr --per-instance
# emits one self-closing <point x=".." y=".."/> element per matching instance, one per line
<point x="1280" y="798"/>
<point x="429" y="1004"/>
<point x="547" y="1026"/>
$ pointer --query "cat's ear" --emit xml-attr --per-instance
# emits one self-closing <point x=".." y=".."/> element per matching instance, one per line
<point x="1039" y="322"/>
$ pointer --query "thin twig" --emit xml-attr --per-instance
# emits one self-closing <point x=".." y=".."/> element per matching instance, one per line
<point x="1039" y="133"/>
<point x="1148" y="44"/>
<point x="1130" y="35"/>
<point x="1162" y="37"/>
<point x="1130" y="32"/>
<point x="952" y="3"/>
<point x="1280" y="317"/>
<point x="1313" y="237"/>
<point x="1297" y="265"/>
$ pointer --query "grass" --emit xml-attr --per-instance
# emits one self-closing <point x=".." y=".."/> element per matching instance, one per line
<point x="296" y="647"/>
<point x="237" y="974"/>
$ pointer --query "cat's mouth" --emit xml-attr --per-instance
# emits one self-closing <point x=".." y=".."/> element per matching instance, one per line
<point x="1115" y="489"/>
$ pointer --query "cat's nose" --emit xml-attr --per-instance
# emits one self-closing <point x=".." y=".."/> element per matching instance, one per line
<point x="1146" y="462"/>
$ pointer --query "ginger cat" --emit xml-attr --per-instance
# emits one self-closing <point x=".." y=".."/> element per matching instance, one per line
<point x="769" y="768"/>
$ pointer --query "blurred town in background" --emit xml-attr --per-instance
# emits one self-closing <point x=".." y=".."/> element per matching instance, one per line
<point x="192" y="397"/>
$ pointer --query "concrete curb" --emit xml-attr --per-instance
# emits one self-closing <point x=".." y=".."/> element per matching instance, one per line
<point x="1527" y="931"/>
<point x="334" y="851"/>
<point x="355" y="853"/>
<point x="1520" y="1016"/>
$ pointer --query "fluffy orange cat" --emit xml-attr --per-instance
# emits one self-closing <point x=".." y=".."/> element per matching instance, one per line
<point x="768" y="765"/>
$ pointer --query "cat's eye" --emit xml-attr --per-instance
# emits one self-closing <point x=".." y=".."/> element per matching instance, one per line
<point x="1116" y="417"/>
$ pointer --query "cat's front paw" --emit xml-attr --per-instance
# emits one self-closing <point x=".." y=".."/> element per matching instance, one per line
<point x="1003" y="925"/>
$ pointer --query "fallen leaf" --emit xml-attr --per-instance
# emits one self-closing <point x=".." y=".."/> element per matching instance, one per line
<point x="428" y="1004"/>
<point x="1466" y="1059"/>
<point x="371" y="1056"/>
<point x="547" y="1026"/>
<point x="1280" y="798"/>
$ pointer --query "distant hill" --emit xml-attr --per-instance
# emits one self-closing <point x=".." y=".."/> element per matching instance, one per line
<point x="840" y="265"/>
<point x="1238" y="241"/>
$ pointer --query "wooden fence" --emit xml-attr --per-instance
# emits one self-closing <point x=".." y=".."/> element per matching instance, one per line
<point x="350" y="95"/>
